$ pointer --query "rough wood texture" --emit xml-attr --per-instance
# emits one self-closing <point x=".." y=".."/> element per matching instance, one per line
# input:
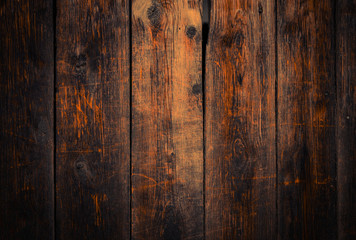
<point x="306" y="120"/>
<point x="26" y="119"/>
<point x="240" y="121"/>
<point x="93" y="120"/>
<point x="276" y="117"/>
<point x="167" y="120"/>
<point x="346" y="117"/>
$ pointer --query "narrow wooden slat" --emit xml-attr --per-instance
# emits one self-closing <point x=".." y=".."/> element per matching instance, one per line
<point x="167" y="120"/>
<point x="346" y="117"/>
<point x="93" y="119"/>
<point x="240" y="121"/>
<point x="306" y="120"/>
<point x="26" y="119"/>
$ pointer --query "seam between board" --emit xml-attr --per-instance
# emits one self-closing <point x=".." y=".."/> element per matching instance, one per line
<point x="276" y="114"/>
<point x="54" y="23"/>
<point x="336" y="116"/>
<point x="130" y="83"/>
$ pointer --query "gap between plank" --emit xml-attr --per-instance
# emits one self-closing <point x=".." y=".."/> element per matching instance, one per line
<point x="336" y="114"/>
<point x="205" y="34"/>
<point x="276" y="108"/>
<point x="54" y="14"/>
<point x="130" y="80"/>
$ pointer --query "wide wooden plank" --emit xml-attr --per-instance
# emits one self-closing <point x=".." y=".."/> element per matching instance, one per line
<point x="167" y="120"/>
<point x="240" y="121"/>
<point x="346" y="117"/>
<point x="306" y="120"/>
<point x="93" y="119"/>
<point x="26" y="119"/>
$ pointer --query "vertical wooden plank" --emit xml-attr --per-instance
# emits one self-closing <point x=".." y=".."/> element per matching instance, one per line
<point x="240" y="121"/>
<point x="306" y="120"/>
<point x="26" y="119"/>
<point x="93" y="119"/>
<point x="346" y="117"/>
<point x="167" y="120"/>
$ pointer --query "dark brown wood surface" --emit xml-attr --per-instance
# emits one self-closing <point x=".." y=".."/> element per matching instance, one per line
<point x="130" y="120"/>
<point x="26" y="119"/>
<point x="240" y="121"/>
<point x="167" y="120"/>
<point x="306" y="140"/>
<point x="346" y="117"/>
<point x="93" y="120"/>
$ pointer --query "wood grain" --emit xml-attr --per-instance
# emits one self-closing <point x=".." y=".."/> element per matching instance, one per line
<point x="93" y="120"/>
<point x="346" y="117"/>
<point x="306" y="120"/>
<point x="275" y="115"/>
<point x="167" y="120"/>
<point x="240" y="121"/>
<point x="26" y="119"/>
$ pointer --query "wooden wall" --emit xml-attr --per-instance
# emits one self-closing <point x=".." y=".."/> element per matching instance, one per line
<point x="137" y="120"/>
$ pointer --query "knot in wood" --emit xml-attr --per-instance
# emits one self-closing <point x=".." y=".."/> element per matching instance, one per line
<point x="191" y="31"/>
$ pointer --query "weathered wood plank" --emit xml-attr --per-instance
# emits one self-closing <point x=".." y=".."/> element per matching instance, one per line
<point x="26" y="119"/>
<point x="306" y="120"/>
<point x="167" y="120"/>
<point x="346" y="117"/>
<point x="93" y="119"/>
<point x="240" y="121"/>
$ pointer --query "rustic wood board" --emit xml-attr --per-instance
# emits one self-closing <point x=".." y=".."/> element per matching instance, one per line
<point x="26" y="119"/>
<point x="306" y="120"/>
<point x="145" y="148"/>
<point x="167" y="120"/>
<point x="346" y="116"/>
<point x="93" y="120"/>
<point x="240" y="121"/>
